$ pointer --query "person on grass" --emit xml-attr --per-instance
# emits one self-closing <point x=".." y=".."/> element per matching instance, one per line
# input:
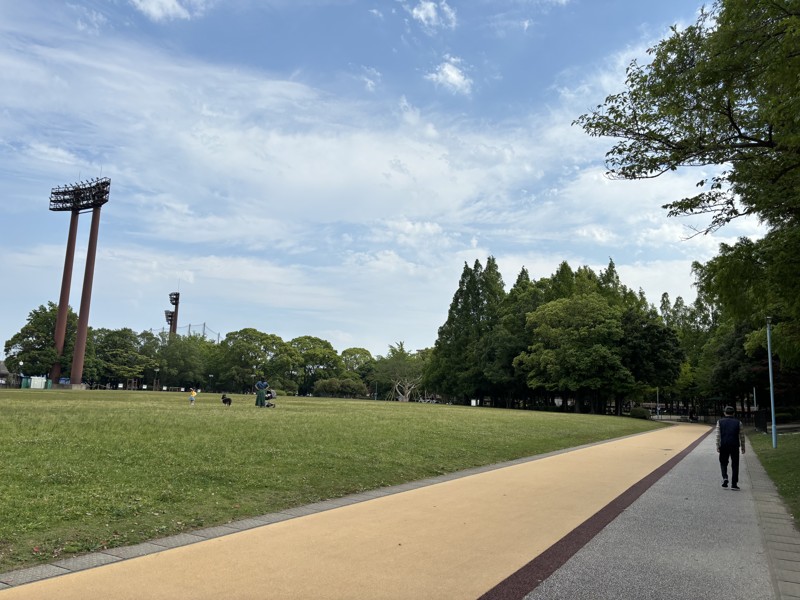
<point x="730" y="438"/>
<point x="261" y="393"/>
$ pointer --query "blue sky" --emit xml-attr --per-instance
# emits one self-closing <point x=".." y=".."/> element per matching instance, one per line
<point x="324" y="167"/>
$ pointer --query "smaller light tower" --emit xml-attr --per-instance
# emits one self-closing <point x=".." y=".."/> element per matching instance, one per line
<point x="172" y="315"/>
<point x="175" y="300"/>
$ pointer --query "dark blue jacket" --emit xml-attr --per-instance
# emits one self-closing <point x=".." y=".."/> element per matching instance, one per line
<point x="729" y="433"/>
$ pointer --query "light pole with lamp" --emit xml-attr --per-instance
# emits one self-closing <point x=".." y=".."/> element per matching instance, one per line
<point x="155" y="379"/>
<point x="771" y="384"/>
<point x="211" y="382"/>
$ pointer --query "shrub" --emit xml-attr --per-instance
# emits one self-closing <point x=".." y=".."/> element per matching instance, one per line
<point x="640" y="413"/>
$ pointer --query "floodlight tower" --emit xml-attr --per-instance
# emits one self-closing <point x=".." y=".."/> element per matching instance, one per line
<point x="172" y="315"/>
<point x="77" y="198"/>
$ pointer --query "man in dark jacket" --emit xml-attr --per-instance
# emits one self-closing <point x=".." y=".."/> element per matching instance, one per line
<point x="730" y="438"/>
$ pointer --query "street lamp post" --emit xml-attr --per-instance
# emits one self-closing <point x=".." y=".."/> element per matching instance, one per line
<point x="155" y="379"/>
<point x="211" y="382"/>
<point x="771" y="384"/>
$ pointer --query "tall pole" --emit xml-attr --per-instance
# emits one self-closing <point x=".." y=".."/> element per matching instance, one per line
<point x="63" y="300"/>
<point x="175" y="300"/>
<point x="76" y="374"/>
<point x="77" y="198"/>
<point x="771" y="384"/>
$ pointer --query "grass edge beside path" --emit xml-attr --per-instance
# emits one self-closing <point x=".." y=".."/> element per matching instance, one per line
<point x="782" y="464"/>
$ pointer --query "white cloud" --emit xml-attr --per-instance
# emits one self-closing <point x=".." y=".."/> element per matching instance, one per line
<point x="166" y="10"/>
<point x="433" y="15"/>
<point x="371" y="78"/>
<point x="90" y="21"/>
<point x="450" y="75"/>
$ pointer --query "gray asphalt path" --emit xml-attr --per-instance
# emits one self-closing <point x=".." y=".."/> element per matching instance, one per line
<point x="685" y="538"/>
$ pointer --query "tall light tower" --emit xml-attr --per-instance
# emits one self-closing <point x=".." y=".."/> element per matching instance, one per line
<point x="77" y="198"/>
<point x="172" y="315"/>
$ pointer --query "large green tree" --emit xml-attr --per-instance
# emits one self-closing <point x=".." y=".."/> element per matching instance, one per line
<point x="185" y="361"/>
<point x="357" y="360"/>
<point x="576" y="350"/>
<point x="119" y="355"/>
<point x="318" y="360"/>
<point x="248" y="354"/>
<point x="32" y="350"/>
<point x="510" y="338"/>
<point x="400" y="371"/>
<point x="462" y="355"/>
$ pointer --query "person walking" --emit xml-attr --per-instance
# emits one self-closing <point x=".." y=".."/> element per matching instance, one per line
<point x="192" y="396"/>
<point x="730" y="438"/>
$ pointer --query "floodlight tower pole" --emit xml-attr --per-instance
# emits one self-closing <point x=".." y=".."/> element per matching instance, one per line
<point x="63" y="301"/>
<point x="77" y="198"/>
<point x="76" y="375"/>
<point x="175" y="300"/>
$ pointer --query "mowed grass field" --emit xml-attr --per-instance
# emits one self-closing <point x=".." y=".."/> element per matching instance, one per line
<point x="87" y="470"/>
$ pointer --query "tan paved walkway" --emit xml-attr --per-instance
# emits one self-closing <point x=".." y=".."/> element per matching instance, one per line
<point x="455" y="539"/>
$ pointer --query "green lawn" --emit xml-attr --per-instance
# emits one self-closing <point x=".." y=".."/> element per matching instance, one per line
<point x="782" y="464"/>
<point x="82" y="471"/>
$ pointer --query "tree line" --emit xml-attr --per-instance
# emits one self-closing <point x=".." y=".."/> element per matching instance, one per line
<point x="576" y="340"/>
<point x="122" y="356"/>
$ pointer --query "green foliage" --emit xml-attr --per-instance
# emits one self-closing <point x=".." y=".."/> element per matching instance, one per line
<point x="248" y="354"/>
<point x="83" y="471"/>
<point x="640" y="413"/>
<point x="340" y="388"/>
<point x="357" y="360"/>
<point x="400" y="371"/>
<point x="120" y="355"/>
<point x="455" y="366"/>
<point x="649" y="349"/>
<point x="575" y="333"/>
<point x="509" y="337"/>
<point x="755" y="279"/>
<point x="34" y="345"/>
<point x="317" y="360"/>
<point x="574" y="349"/>
<point x="185" y="360"/>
